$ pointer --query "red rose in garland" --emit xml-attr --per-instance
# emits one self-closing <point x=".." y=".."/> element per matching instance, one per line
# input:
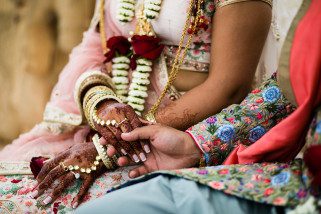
<point x="117" y="45"/>
<point x="147" y="47"/>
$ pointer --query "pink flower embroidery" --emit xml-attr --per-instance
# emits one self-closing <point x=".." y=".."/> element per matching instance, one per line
<point x="260" y="100"/>
<point x="255" y="91"/>
<point x="3" y="178"/>
<point x="231" y="120"/>
<point x="247" y="120"/>
<point x="259" y="116"/>
<point x="267" y="181"/>
<point x="28" y="203"/>
<point x="249" y="185"/>
<point x="216" y="185"/>
<point x="259" y="170"/>
<point x="243" y="169"/>
<point x="279" y="201"/>
<point x="256" y="177"/>
<point x="223" y="171"/>
<point x="253" y="106"/>
<point x="268" y="191"/>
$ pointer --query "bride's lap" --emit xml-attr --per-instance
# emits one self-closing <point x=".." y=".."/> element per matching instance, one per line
<point x="15" y="191"/>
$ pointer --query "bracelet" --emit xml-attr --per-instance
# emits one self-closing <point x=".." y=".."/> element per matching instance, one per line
<point x="88" y="170"/>
<point x="103" y="122"/>
<point x="150" y="117"/>
<point x="88" y="107"/>
<point x="93" y="97"/>
<point x="103" y="153"/>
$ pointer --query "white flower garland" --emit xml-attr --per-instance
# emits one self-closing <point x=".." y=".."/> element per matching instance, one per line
<point x="126" y="10"/>
<point x="140" y="77"/>
<point x="152" y="8"/>
<point x="139" y="85"/>
<point x="120" y="71"/>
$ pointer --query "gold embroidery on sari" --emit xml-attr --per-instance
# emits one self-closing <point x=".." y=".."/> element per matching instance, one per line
<point x="15" y="168"/>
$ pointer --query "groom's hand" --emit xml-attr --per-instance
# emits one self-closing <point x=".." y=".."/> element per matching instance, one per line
<point x="170" y="149"/>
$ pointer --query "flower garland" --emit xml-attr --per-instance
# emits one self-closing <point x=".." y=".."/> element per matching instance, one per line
<point x="137" y="56"/>
<point x="135" y="53"/>
<point x="145" y="47"/>
<point x="126" y="9"/>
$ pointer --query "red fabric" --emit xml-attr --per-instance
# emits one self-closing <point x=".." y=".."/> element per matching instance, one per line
<point x="284" y="141"/>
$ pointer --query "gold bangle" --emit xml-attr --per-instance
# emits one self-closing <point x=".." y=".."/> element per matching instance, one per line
<point x="102" y="153"/>
<point x="90" y="108"/>
<point x="97" y="90"/>
<point x="150" y="117"/>
<point x="93" y="96"/>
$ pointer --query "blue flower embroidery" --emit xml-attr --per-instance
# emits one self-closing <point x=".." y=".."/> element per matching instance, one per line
<point x="318" y="127"/>
<point x="281" y="179"/>
<point x="271" y="94"/>
<point x="225" y="133"/>
<point x="256" y="133"/>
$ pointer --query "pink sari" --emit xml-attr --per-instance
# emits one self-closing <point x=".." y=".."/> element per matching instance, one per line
<point x="61" y="127"/>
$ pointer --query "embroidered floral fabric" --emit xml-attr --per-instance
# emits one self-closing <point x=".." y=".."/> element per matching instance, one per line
<point x="245" y="123"/>
<point x="270" y="183"/>
<point x="280" y="184"/>
<point x="15" y="190"/>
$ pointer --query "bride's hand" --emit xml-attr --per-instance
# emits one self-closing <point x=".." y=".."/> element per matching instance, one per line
<point x="54" y="179"/>
<point x="170" y="149"/>
<point x="126" y="120"/>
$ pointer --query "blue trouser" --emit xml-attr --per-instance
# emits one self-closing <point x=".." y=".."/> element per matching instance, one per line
<point x="164" y="194"/>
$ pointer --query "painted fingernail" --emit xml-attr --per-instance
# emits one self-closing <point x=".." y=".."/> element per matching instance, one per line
<point x="147" y="149"/>
<point x="34" y="194"/>
<point x="75" y="205"/>
<point x="142" y="156"/>
<point x="47" y="200"/>
<point x="132" y="174"/>
<point x="123" y="151"/>
<point x="136" y="159"/>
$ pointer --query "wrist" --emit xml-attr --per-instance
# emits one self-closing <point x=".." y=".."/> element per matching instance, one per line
<point x="192" y="148"/>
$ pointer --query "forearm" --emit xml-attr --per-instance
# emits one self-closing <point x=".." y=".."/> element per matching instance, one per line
<point x="237" y="43"/>
<point x="207" y="99"/>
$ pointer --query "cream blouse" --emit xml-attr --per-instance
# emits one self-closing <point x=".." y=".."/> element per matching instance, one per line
<point x="169" y="26"/>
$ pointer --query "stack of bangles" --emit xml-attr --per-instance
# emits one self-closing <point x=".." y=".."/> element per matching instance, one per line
<point x="91" y="99"/>
<point x="102" y="156"/>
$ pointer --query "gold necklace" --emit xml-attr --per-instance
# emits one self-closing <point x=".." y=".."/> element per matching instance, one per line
<point x="180" y="55"/>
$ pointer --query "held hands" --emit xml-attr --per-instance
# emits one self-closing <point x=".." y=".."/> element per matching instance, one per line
<point x="170" y="149"/>
<point x="126" y="121"/>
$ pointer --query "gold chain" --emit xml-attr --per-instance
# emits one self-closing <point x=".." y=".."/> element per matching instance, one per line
<point x="178" y="60"/>
<point x="179" y="57"/>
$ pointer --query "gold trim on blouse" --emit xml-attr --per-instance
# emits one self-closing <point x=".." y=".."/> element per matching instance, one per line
<point x="222" y="3"/>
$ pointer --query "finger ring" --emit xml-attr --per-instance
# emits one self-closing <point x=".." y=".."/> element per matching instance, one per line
<point x="64" y="166"/>
<point x="121" y="122"/>
<point x="77" y="175"/>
